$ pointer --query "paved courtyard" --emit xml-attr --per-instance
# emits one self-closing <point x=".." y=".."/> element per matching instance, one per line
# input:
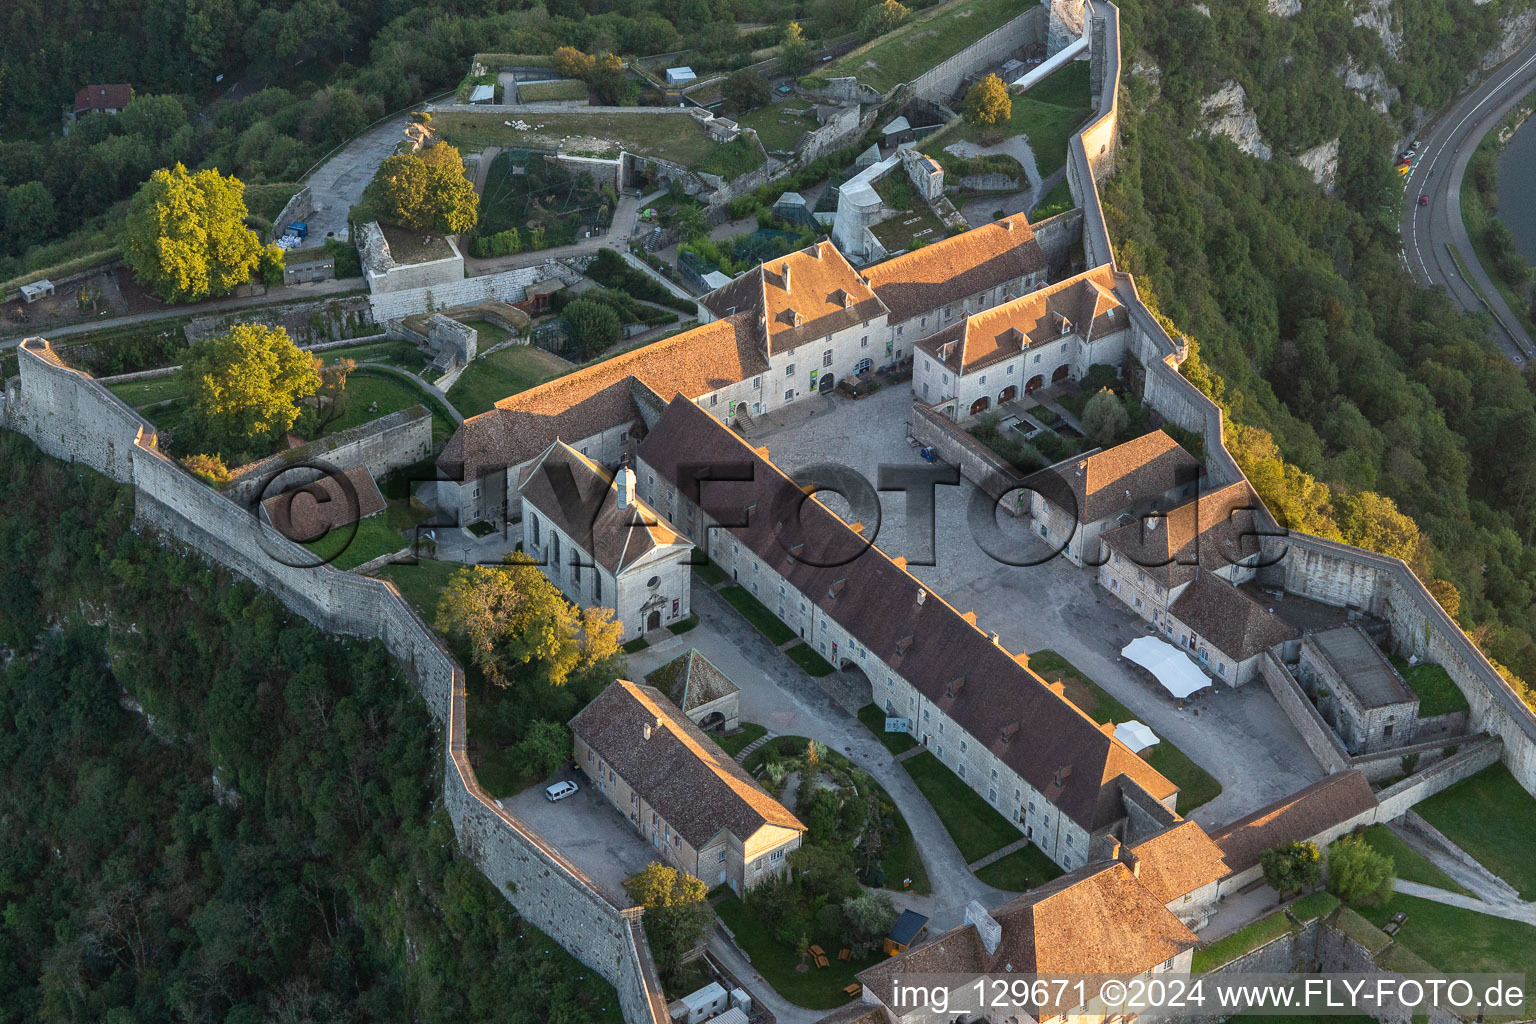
<point x="1239" y="735"/>
<point x="588" y="830"/>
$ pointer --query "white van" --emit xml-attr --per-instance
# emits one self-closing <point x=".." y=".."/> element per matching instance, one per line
<point x="559" y="791"/>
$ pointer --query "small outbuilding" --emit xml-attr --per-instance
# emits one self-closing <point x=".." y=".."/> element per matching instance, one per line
<point x="37" y="290"/>
<point x="483" y="94"/>
<point x="1358" y="691"/>
<point x="681" y="76"/>
<point x="909" y="927"/>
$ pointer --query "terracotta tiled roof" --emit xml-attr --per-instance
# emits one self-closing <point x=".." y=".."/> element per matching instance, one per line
<point x="900" y="622"/>
<point x="1227" y="617"/>
<point x="595" y="398"/>
<point x="581" y="499"/>
<point x="691" y="680"/>
<point x="1178" y="860"/>
<point x="103" y="97"/>
<point x="1116" y="479"/>
<point x="801" y="297"/>
<point x="693" y="784"/>
<point x="1216" y="530"/>
<point x="1098" y="919"/>
<point x="956" y="267"/>
<point x="1300" y="816"/>
<point x="310" y="510"/>
<point x="1085" y="304"/>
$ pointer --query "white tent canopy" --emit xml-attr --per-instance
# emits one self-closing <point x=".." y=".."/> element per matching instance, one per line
<point x="1172" y="667"/>
<point x="1135" y="735"/>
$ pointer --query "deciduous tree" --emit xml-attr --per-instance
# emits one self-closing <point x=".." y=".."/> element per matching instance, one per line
<point x="1357" y="872"/>
<point x="676" y="915"/>
<point x="988" y="102"/>
<point x="244" y="386"/>
<point x="185" y="237"/>
<point x="1291" y="868"/>
<point x="426" y="191"/>
<point x="1105" y="418"/>
<point x="746" y="90"/>
<point x="594" y="325"/>
<point x="882" y="18"/>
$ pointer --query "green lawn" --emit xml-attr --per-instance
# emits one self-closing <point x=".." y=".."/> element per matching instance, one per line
<point x="787" y="746"/>
<point x="1196" y="785"/>
<point x="925" y="41"/>
<point x="901" y="860"/>
<point x="636" y="645"/>
<point x="1494" y="820"/>
<point x="1314" y="905"/>
<point x="1242" y="941"/>
<point x="913" y="229"/>
<point x="1021" y="870"/>
<point x="1411" y="864"/>
<point x="1048" y="115"/>
<point x="819" y="988"/>
<point x="421" y="583"/>
<point x="382" y="534"/>
<point x="874" y="720"/>
<point x="807" y="658"/>
<point x="676" y="137"/>
<point x="778" y="129"/>
<point x="1437" y="694"/>
<point x="396" y="353"/>
<point x="544" y="92"/>
<point x="975" y="826"/>
<point x="679" y="628"/>
<point x="1457" y="940"/>
<point x="734" y="744"/>
<point x="1057" y="200"/>
<point x="758" y="614"/>
<point x="708" y="571"/>
<point x="496" y="376"/>
<point x="139" y="393"/>
<point x="733" y="159"/>
<point x="372" y="393"/>
<point x="487" y="333"/>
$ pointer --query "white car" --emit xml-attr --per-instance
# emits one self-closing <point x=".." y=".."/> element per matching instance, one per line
<point x="559" y="791"/>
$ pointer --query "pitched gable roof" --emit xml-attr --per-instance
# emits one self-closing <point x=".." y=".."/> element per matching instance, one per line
<point x="691" y="680"/>
<point x="956" y="267"/>
<point x="310" y="510"/>
<point x="799" y="298"/>
<point x="1064" y="754"/>
<point x="1113" y="480"/>
<point x="103" y="97"/>
<point x="1228" y="618"/>
<point x="1085" y="304"/>
<point x="693" y="784"/>
<point x="1098" y="919"/>
<point x="1217" y="529"/>
<point x="581" y="499"/>
<point x="594" y="398"/>
<point x="1302" y="815"/>
<point x="1178" y="860"/>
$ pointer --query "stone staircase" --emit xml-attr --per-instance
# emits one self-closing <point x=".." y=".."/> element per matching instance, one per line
<point x="750" y="747"/>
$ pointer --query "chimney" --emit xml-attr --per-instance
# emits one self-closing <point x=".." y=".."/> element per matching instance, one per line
<point x="922" y="595"/>
<point x="647" y="730"/>
<point x="1114" y="847"/>
<point x="997" y="641"/>
<point x="784" y="273"/>
<point x="1007" y="223"/>
<point x="987" y="928"/>
<point x="1131" y="861"/>
<point x="625" y="483"/>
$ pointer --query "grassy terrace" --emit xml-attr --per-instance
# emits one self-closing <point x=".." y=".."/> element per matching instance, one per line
<point x="874" y="720"/>
<point x="818" y="988"/>
<point x="1411" y="864"/>
<point x="1494" y="820"/>
<point x="673" y="136"/>
<point x="372" y="393"/>
<point x="733" y="159"/>
<point x="1047" y="115"/>
<point x="1021" y="870"/>
<point x="910" y="230"/>
<point x="139" y="393"/>
<point x="1196" y="785"/>
<point x="733" y="744"/>
<point x="1265" y="929"/>
<point x="758" y="614"/>
<point x="925" y="41"/>
<point x="383" y="534"/>
<point x="1437" y="694"/>
<point x="421" y="583"/>
<point x="902" y="861"/>
<point x="975" y="825"/>
<point x="496" y="376"/>
<point x="401" y="354"/>
<point x="1057" y="200"/>
<point x="1453" y="939"/>
<point x="778" y="129"/>
<point x="545" y="92"/>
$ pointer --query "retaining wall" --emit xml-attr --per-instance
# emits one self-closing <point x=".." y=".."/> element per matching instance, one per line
<point x="298" y="208"/>
<point x="1321" y="740"/>
<point x="978" y="463"/>
<point x="939" y="83"/>
<point x="73" y="417"/>
<point x="382" y="446"/>
<point x="507" y="286"/>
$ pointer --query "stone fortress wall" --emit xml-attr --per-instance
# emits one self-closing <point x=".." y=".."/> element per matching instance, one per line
<point x="72" y="417"/>
<point x="1335" y="574"/>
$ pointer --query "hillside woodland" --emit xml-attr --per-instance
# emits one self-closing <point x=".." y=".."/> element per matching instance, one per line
<point x="212" y="812"/>
<point x="1354" y="397"/>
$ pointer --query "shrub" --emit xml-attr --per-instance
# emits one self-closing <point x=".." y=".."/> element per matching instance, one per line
<point x="1357" y="872"/>
<point x="210" y="469"/>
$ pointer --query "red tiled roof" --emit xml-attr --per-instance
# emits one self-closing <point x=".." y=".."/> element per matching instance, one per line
<point x="800" y="298"/>
<point x="1218" y="529"/>
<point x="311" y="510"/>
<point x="1178" y="861"/>
<point x="1300" y="816"/>
<point x="956" y="267"/>
<point x="1228" y="618"/>
<point x="899" y="620"/>
<point x="1113" y="480"/>
<point x="103" y="97"/>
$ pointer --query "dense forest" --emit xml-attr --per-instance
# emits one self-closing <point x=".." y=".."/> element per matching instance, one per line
<point x="211" y="812"/>
<point x="1353" y="395"/>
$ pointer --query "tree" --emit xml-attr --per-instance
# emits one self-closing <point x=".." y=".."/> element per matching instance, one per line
<point x="572" y="63"/>
<point x="676" y="915"/>
<point x="1105" y="418"/>
<point x="271" y="265"/>
<point x="882" y="18"/>
<point x="594" y="325"/>
<point x="332" y="394"/>
<point x="244" y="386"/>
<point x="746" y="90"/>
<point x="692" y="223"/>
<point x="1291" y="868"/>
<point x="1358" y="872"/>
<point x="512" y="615"/>
<point x="184" y="236"/>
<point x="29" y="214"/>
<point x="426" y="191"/>
<point x="607" y="79"/>
<point x="988" y="102"/>
<point x="795" y="50"/>
<point x="546" y="747"/>
<point x="208" y="468"/>
<point x="868" y="917"/>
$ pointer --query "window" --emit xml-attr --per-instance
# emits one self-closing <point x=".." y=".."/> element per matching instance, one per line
<point x="589" y="757"/>
<point x="653" y="582"/>
<point x="757" y="383"/>
<point x="714" y="399"/>
<point x="623" y="435"/>
<point x="555" y="540"/>
<point x="576" y="574"/>
<point x="941" y="725"/>
<point x="983" y="378"/>
<point x="634" y="799"/>
<point x="962" y="771"/>
<point x="826" y="358"/>
<point x="899" y="330"/>
<point x="994" y="774"/>
<point x="864" y="342"/>
<point x="677" y="842"/>
<point x="926" y="714"/>
<point x="941" y="751"/>
<point x="962" y="746"/>
<point x="789" y="396"/>
<point x="476" y="493"/>
<point x="776" y="855"/>
<point x="1069" y="839"/>
<point x="866" y="323"/>
<point x="534" y="520"/>
<point x="789" y="371"/>
<point x="1037" y="357"/>
<point x="1011" y="367"/>
<point x="597" y="586"/>
<point x="992" y="795"/>
<point x="1221" y="670"/>
<point x="721" y="858"/>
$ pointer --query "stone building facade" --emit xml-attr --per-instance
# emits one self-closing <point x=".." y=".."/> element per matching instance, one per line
<point x="1358" y="691"/>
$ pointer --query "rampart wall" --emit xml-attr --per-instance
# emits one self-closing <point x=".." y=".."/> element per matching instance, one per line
<point x="940" y="82"/>
<point x="507" y="286"/>
<point x="383" y="445"/>
<point x="73" y="417"/>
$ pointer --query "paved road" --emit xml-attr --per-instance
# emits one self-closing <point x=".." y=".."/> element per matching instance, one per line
<point x="337" y="185"/>
<point x="274" y="296"/>
<point x="1427" y="230"/>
